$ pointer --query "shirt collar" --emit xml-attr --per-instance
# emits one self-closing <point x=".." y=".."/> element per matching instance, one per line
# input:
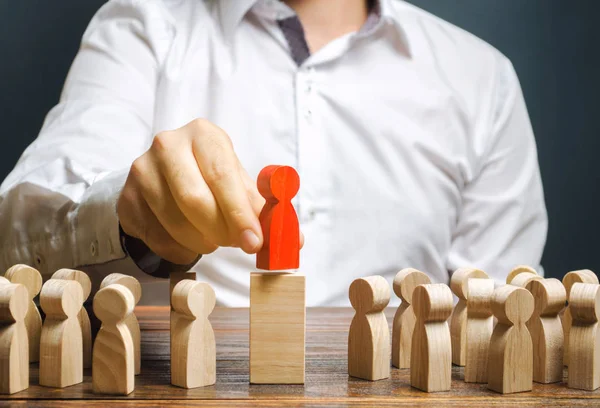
<point x="382" y="13"/>
<point x="231" y="13"/>
<point x="390" y="15"/>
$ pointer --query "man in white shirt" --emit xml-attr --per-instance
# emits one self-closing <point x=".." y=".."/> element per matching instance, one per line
<point x="411" y="138"/>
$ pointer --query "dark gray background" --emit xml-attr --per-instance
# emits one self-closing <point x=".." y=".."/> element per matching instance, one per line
<point x="553" y="45"/>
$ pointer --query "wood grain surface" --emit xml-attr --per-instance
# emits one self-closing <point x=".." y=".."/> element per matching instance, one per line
<point x="327" y="380"/>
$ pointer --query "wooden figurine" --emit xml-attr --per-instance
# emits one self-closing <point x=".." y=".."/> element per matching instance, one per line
<point x="480" y="324"/>
<point x="14" y="346"/>
<point x="193" y="350"/>
<point x="174" y="279"/>
<point x="405" y="283"/>
<point x="369" y="336"/>
<point x="82" y="315"/>
<point x="113" y="357"/>
<point x="581" y="276"/>
<point x="458" y="323"/>
<point x="278" y="219"/>
<point x="32" y="280"/>
<point x="131" y="320"/>
<point x="61" y="344"/>
<point x="431" y="359"/>
<point x="584" y="345"/>
<point x="549" y="297"/>
<point x="277" y="328"/>
<point x="510" y="361"/>
<point x="521" y="276"/>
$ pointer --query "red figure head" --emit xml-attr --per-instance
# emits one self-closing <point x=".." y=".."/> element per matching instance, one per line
<point x="278" y="183"/>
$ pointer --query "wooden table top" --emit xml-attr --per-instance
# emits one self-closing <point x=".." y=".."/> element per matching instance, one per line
<point x="327" y="381"/>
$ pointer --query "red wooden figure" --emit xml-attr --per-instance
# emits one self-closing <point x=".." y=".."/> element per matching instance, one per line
<point x="278" y="219"/>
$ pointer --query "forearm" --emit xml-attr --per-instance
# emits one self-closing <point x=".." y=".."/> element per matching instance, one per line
<point x="48" y="228"/>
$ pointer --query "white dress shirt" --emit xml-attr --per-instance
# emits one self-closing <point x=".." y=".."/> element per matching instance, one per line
<point x="411" y="138"/>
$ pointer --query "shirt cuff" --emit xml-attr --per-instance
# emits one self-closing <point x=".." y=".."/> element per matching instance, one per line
<point x="94" y="227"/>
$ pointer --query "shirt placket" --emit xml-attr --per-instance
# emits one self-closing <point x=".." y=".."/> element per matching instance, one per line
<point x="311" y="147"/>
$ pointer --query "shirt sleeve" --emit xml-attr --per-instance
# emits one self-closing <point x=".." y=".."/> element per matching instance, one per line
<point x="503" y="220"/>
<point x="58" y="205"/>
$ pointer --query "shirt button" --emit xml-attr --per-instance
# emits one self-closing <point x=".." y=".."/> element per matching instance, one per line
<point x="94" y="248"/>
<point x="39" y="260"/>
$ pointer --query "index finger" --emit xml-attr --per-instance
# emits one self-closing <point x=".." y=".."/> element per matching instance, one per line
<point x="219" y="166"/>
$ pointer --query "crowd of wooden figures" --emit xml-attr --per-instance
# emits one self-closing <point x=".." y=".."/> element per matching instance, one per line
<point x="507" y="336"/>
<point x="62" y="344"/>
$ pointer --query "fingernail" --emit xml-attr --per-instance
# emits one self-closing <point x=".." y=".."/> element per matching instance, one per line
<point x="249" y="241"/>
